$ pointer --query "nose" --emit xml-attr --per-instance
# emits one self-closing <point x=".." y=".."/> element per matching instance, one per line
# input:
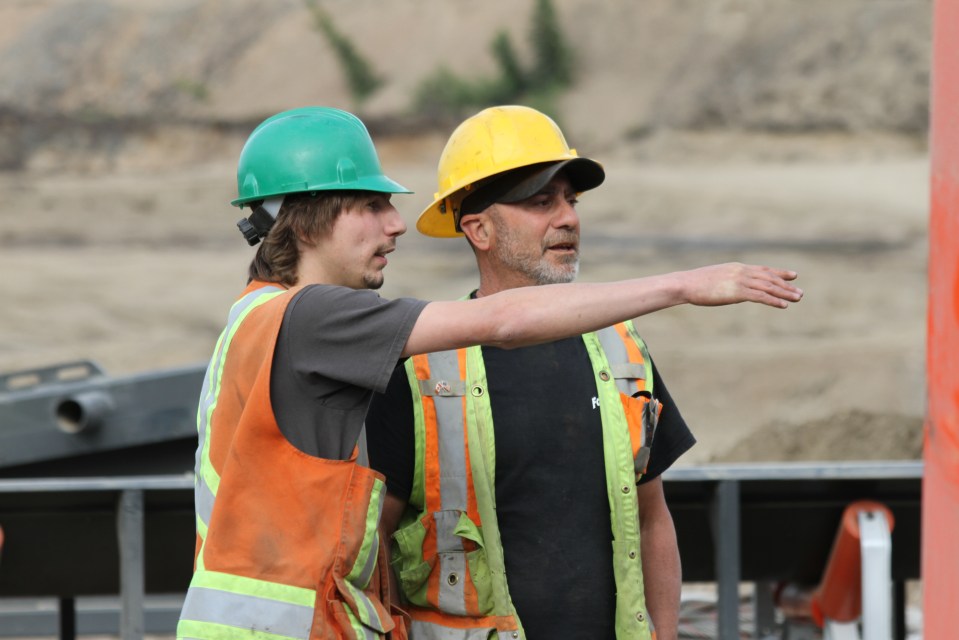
<point x="395" y="226"/>
<point x="566" y="217"/>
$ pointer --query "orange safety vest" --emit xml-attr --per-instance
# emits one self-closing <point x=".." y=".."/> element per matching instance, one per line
<point x="447" y="552"/>
<point x="287" y="543"/>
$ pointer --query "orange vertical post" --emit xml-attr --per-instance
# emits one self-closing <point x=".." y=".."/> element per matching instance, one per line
<point x="940" y="492"/>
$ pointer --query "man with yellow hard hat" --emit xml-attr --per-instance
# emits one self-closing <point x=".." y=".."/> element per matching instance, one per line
<point x="524" y="490"/>
<point x="286" y="510"/>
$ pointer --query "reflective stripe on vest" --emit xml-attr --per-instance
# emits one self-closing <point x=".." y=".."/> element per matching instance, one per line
<point x="422" y="630"/>
<point x="628" y="362"/>
<point x="445" y="398"/>
<point x="448" y="491"/>
<point x="362" y="610"/>
<point x="632" y="370"/>
<point x="218" y="604"/>
<point x="207" y="479"/>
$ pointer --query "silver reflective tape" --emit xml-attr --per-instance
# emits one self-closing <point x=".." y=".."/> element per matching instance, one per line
<point x="370" y="619"/>
<point x="247" y="613"/>
<point x="211" y="381"/>
<point x="207" y="398"/>
<point x="446" y="540"/>
<point x="449" y="419"/>
<point x="422" y="630"/>
<point x="369" y="563"/>
<point x="363" y="579"/>
<point x="629" y="370"/>
<point x="201" y="420"/>
<point x="452" y="453"/>
<point x="204" y="499"/>
<point x="616" y="354"/>
<point x="452" y="559"/>
<point x="452" y="577"/>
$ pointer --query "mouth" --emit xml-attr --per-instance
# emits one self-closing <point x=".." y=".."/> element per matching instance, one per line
<point x="564" y="247"/>
<point x="380" y="256"/>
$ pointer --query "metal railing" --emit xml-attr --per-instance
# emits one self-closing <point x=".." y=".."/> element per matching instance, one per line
<point x="760" y="523"/>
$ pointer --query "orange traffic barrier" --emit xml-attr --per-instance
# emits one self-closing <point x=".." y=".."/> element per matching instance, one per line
<point x="839" y="594"/>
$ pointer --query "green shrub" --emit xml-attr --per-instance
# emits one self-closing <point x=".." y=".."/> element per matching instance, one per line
<point x="445" y="96"/>
<point x="553" y="60"/>
<point x="360" y="77"/>
<point x="512" y="78"/>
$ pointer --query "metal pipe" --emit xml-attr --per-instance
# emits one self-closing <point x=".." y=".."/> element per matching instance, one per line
<point x="84" y="411"/>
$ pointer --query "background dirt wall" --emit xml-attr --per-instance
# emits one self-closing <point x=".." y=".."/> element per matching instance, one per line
<point x="775" y="131"/>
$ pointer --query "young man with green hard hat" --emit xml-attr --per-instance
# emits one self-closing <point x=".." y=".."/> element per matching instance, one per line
<point x="286" y="510"/>
<point x="524" y="492"/>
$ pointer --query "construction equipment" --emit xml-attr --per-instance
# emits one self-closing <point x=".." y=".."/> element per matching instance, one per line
<point x="856" y="588"/>
<point x="853" y="600"/>
<point x="774" y="524"/>
<point x="89" y="423"/>
<point x="96" y="486"/>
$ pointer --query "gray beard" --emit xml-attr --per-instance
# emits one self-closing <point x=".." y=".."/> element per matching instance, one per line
<point x="536" y="267"/>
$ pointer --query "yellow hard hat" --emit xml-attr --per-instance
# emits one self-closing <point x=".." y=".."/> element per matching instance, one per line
<point x="496" y="140"/>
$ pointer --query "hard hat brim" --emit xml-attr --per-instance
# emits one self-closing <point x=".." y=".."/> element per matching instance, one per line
<point x="377" y="184"/>
<point x="583" y="173"/>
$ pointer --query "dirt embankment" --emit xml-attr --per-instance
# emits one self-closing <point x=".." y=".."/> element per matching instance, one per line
<point x="765" y="131"/>
<point x="92" y="77"/>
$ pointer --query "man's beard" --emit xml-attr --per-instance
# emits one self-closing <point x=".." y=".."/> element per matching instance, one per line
<point x="532" y="263"/>
<point x="374" y="280"/>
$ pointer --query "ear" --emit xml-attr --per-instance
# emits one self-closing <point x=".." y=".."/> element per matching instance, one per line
<point x="477" y="228"/>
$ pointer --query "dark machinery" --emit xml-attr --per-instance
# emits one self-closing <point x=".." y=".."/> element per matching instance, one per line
<point x="96" y="486"/>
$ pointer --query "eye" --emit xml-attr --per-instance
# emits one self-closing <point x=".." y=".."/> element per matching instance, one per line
<point x="542" y="202"/>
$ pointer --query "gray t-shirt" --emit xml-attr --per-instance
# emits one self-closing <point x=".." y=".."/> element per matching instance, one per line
<point x="336" y="346"/>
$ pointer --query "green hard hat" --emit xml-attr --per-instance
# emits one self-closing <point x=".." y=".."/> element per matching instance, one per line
<point x="309" y="149"/>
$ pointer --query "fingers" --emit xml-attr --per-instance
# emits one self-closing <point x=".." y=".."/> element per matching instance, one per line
<point x="735" y="282"/>
<point x="784" y="274"/>
<point x="773" y="289"/>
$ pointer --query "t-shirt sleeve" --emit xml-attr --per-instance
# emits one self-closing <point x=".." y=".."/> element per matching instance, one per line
<point x="672" y="438"/>
<point x="350" y="335"/>
<point x="390" y="434"/>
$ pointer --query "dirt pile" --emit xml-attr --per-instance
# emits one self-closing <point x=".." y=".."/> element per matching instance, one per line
<point x="767" y="131"/>
<point x="847" y="435"/>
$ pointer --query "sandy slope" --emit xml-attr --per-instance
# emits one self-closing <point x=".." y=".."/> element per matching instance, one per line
<point x="731" y="130"/>
<point x="135" y="270"/>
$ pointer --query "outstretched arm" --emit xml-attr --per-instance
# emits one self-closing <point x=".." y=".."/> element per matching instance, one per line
<point x="529" y="315"/>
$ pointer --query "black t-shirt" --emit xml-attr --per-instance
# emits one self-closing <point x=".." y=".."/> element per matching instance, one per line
<point x="551" y="500"/>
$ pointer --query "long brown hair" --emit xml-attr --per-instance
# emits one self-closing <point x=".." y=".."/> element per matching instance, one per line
<point x="304" y="217"/>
